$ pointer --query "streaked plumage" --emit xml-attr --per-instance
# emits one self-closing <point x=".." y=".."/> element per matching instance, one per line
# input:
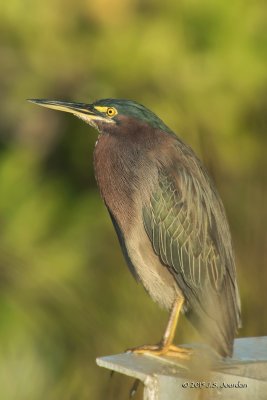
<point x="168" y="216"/>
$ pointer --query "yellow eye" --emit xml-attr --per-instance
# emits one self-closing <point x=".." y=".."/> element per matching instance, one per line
<point x="111" y="111"/>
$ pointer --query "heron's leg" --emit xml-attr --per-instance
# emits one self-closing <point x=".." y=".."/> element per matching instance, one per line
<point x="165" y="346"/>
<point x="172" y="323"/>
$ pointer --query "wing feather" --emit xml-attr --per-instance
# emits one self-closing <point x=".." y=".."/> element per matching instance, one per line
<point x="186" y="224"/>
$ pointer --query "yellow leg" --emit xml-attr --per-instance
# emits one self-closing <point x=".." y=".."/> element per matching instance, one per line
<point x="165" y="346"/>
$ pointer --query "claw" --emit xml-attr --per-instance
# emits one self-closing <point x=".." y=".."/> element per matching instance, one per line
<point x="159" y="349"/>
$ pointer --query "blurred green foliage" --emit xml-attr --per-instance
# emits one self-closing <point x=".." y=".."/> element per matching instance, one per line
<point x="66" y="296"/>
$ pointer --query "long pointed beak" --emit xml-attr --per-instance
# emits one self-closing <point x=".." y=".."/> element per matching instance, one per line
<point x="86" y="112"/>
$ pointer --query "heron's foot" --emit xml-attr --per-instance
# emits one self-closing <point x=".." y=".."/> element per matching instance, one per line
<point x="161" y="350"/>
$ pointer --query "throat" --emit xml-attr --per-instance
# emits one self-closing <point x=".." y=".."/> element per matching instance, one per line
<point x="96" y="143"/>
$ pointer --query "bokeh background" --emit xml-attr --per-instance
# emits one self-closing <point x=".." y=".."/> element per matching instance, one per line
<point x="66" y="296"/>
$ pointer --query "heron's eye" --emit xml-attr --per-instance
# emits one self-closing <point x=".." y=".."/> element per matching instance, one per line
<point x="111" y="111"/>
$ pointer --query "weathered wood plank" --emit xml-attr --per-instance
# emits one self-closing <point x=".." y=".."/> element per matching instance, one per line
<point x="242" y="377"/>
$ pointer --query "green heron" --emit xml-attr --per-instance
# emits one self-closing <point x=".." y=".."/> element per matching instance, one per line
<point x="168" y="217"/>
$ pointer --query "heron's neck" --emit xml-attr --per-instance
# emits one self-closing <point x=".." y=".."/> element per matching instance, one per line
<point x="117" y="173"/>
